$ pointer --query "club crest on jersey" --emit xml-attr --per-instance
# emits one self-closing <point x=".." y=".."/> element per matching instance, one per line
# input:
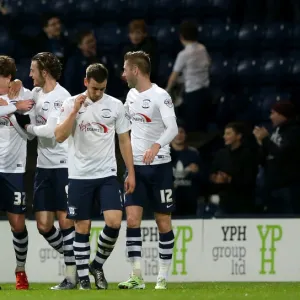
<point x="141" y="118"/>
<point x="5" y="121"/>
<point x="57" y="104"/>
<point x="146" y="103"/>
<point x="93" y="126"/>
<point x="169" y="102"/>
<point x="106" y="113"/>
<point x="46" y="105"/>
<point x="40" y="120"/>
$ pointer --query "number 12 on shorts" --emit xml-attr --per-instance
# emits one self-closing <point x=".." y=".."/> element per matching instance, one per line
<point x="166" y="196"/>
<point x="20" y="198"/>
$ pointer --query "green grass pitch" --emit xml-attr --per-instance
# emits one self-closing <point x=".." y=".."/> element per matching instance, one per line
<point x="176" y="291"/>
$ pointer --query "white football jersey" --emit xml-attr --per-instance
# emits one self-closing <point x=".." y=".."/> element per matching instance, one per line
<point x="146" y="111"/>
<point x="50" y="153"/>
<point x="92" y="143"/>
<point x="13" y="146"/>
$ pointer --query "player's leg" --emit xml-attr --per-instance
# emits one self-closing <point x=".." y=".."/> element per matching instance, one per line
<point x="134" y="214"/>
<point x="43" y="203"/>
<point x="60" y="182"/>
<point x="80" y="203"/>
<point x="111" y="203"/>
<point x="15" y="206"/>
<point x="163" y="206"/>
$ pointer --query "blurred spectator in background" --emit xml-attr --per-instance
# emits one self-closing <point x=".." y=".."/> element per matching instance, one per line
<point x="186" y="171"/>
<point x="281" y="160"/>
<point x="52" y="38"/>
<point x="234" y="172"/>
<point x="194" y="63"/>
<point x="86" y="54"/>
<point x="141" y="41"/>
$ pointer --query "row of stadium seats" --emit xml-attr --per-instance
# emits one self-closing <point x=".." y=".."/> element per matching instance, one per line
<point x="104" y="9"/>
<point x="215" y="36"/>
<point x="269" y="69"/>
<point x="227" y="72"/>
<point x="254" y="107"/>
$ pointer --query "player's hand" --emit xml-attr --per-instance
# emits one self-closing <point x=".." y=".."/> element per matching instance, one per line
<point x="150" y="154"/>
<point x="3" y="102"/>
<point x="78" y="102"/>
<point x="221" y="178"/>
<point x="14" y="89"/>
<point x="193" y="168"/>
<point x="24" y="105"/>
<point x="260" y="133"/>
<point x="129" y="184"/>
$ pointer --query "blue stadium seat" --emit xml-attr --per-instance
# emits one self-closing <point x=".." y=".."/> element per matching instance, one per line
<point x="84" y="9"/>
<point x="135" y="9"/>
<point x="72" y="29"/>
<point x="109" y="37"/>
<point x="268" y="99"/>
<point x="23" y="69"/>
<point x="276" y="36"/>
<point x="222" y="71"/>
<point x="295" y="39"/>
<point x="295" y="71"/>
<point x="34" y="7"/>
<point x="166" y="36"/>
<point x="6" y="42"/>
<point x="249" y="37"/>
<point x="247" y="71"/>
<point x="159" y="8"/>
<point x="109" y="9"/>
<point x="165" y="68"/>
<point x="273" y="70"/>
<point x="194" y="8"/>
<point x="218" y="36"/>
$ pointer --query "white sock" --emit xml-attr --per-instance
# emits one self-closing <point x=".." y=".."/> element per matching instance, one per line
<point x="136" y="267"/>
<point x="163" y="269"/>
<point x="71" y="273"/>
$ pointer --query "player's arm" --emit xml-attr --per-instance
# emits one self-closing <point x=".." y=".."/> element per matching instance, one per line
<point x="166" y="109"/>
<point x="177" y="69"/>
<point x="67" y="119"/>
<point x="122" y="129"/>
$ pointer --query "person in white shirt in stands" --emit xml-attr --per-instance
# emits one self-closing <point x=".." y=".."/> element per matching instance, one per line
<point x="194" y="62"/>
<point x="13" y="142"/>
<point x="154" y="126"/>
<point x="90" y="121"/>
<point x="51" y="178"/>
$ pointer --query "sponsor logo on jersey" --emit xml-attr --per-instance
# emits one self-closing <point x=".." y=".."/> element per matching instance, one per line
<point x="93" y="126"/>
<point x="141" y="118"/>
<point x="57" y="104"/>
<point x="5" y="121"/>
<point x="169" y="102"/>
<point x="146" y="103"/>
<point x="40" y="120"/>
<point x="106" y="113"/>
<point x="46" y="105"/>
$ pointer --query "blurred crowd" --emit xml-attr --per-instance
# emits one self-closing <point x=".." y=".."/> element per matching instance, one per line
<point x="241" y="169"/>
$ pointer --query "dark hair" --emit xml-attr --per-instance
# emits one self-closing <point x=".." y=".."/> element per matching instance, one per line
<point x="98" y="72"/>
<point x="189" y="30"/>
<point x="237" y="127"/>
<point x="82" y="34"/>
<point x="137" y="25"/>
<point x="7" y="67"/>
<point x="48" y="62"/>
<point x="47" y="17"/>
<point x="141" y="59"/>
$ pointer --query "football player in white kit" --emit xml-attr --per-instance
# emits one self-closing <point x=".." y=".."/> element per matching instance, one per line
<point x="51" y="177"/>
<point x="152" y="115"/>
<point x="13" y="149"/>
<point x="90" y="121"/>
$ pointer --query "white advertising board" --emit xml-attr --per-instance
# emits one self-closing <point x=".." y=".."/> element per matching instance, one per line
<point x="205" y="250"/>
